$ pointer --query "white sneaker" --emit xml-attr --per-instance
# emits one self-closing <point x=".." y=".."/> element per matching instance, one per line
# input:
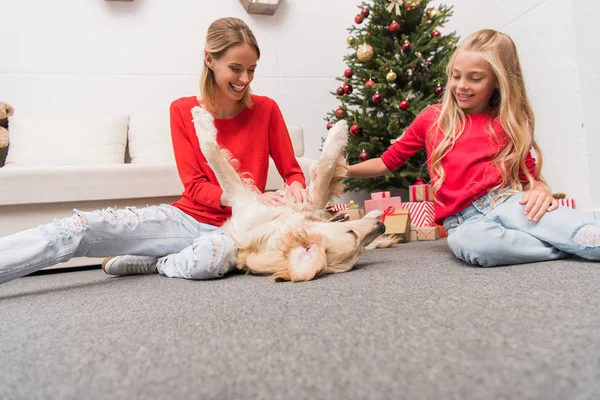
<point x="129" y="265"/>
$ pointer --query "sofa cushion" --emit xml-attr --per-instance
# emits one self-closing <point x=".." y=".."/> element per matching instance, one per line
<point x="34" y="185"/>
<point x="297" y="137"/>
<point x="37" y="142"/>
<point x="150" y="141"/>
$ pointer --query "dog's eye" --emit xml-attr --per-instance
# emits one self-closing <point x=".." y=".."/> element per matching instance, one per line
<point x="353" y="234"/>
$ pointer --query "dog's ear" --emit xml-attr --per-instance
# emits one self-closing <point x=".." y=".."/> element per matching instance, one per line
<point x="306" y="262"/>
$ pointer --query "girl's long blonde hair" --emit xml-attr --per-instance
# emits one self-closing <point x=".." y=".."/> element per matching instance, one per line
<point x="223" y="34"/>
<point x="510" y="105"/>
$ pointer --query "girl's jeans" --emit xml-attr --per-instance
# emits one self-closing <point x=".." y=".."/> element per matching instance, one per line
<point x="489" y="236"/>
<point x="189" y="249"/>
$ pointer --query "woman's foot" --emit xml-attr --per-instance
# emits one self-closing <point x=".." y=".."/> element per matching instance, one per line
<point x="129" y="265"/>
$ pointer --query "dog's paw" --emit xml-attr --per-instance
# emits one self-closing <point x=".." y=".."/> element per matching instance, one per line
<point x="374" y="214"/>
<point x="337" y="136"/>
<point x="204" y="124"/>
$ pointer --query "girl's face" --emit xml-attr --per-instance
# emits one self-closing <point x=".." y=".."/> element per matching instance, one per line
<point x="472" y="82"/>
<point x="233" y="71"/>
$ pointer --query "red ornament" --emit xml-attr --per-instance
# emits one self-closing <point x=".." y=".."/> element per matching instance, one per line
<point x="355" y="130"/>
<point x="329" y="125"/>
<point x="347" y="88"/>
<point x="358" y="19"/>
<point x="340" y="112"/>
<point x="404" y="104"/>
<point x="394" y="26"/>
<point x="439" y="90"/>
<point x="348" y="73"/>
<point x="370" y="83"/>
<point x="377" y="98"/>
<point x="407" y="47"/>
<point x="364" y="12"/>
<point x="436" y="33"/>
<point x="364" y="156"/>
<point x="381" y="139"/>
<point x="340" y="91"/>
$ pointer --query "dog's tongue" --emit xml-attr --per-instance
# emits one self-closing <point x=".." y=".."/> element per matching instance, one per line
<point x="340" y="218"/>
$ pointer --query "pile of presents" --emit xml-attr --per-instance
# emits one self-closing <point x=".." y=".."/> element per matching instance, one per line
<point x="411" y="220"/>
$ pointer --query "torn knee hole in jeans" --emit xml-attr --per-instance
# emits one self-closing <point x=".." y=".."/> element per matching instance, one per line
<point x="131" y="217"/>
<point x="65" y="228"/>
<point x="587" y="235"/>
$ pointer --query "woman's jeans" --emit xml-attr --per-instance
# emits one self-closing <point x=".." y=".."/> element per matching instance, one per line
<point x="488" y="236"/>
<point x="189" y="249"/>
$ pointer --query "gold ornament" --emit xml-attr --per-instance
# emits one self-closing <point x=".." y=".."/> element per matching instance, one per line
<point x="349" y="40"/>
<point x="364" y="52"/>
<point x="391" y="76"/>
<point x="433" y="12"/>
<point x="413" y="3"/>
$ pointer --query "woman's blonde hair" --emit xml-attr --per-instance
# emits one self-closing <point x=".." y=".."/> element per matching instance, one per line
<point x="509" y="103"/>
<point x="223" y="34"/>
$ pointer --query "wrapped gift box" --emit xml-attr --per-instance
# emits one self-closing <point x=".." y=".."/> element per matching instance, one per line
<point x="421" y="213"/>
<point x="428" y="233"/>
<point x="397" y="223"/>
<point x="412" y="235"/>
<point x="353" y="213"/>
<point x="567" y="203"/>
<point x="333" y="208"/>
<point x="420" y="191"/>
<point x="380" y="195"/>
<point x="383" y="204"/>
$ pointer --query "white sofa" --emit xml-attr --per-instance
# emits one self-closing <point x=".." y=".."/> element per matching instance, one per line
<point x="36" y="192"/>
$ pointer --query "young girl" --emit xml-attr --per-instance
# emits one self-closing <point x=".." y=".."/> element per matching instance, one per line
<point x="490" y="195"/>
<point x="186" y="235"/>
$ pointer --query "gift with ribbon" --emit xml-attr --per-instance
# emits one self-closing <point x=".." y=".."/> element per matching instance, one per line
<point x="563" y="200"/>
<point x="421" y="213"/>
<point x="382" y="204"/>
<point x="420" y="191"/>
<point x="428" y="233"/>
<point x="397" y="222"/>
<point x="380" y="195"/>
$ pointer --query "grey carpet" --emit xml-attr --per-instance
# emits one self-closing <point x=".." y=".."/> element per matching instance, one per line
<point x="409" y="322"/>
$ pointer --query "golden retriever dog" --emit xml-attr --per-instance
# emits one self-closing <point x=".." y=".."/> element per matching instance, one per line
<point x="294" y="241"/>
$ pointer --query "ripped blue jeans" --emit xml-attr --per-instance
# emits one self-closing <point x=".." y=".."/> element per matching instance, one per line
<point x="185" y="248"/>
<point x="502" y="235"/>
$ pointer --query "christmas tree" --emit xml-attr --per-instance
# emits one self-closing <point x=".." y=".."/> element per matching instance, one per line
<point x="396" y="68"/>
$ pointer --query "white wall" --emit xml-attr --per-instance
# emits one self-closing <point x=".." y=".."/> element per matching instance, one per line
<point x="98" y="57"/>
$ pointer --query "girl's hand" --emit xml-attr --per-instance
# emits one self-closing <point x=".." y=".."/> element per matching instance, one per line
<point x="298" y="194"/>
<point x="274" y="199"/>
<point x="538" y="200"/>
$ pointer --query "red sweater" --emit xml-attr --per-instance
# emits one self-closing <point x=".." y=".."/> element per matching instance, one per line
<point x="470" y="172"/>
<point x="252" y="136"/>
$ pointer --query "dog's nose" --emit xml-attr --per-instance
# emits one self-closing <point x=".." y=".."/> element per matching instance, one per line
<point x="381" y="227"/>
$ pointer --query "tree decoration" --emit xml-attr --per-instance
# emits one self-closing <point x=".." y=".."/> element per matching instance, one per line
<point x="380" y="106"/>
<point x="364" y="52"/>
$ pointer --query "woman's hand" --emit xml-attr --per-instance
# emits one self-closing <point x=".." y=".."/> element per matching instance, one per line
<point x="297" y="193"/>
<point x="274" y="199"/>
<point x="538" y="200"/>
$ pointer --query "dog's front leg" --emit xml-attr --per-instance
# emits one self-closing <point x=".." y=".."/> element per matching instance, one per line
<point x="333" y="151"/>
<point x="217" y="158"/>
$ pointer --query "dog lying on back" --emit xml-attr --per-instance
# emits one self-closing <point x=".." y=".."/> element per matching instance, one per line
<point x="294" y="241"/>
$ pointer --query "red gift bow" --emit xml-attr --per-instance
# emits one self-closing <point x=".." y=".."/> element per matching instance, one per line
<point x="419" y="182"/>
<point x="390" y="211"/>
